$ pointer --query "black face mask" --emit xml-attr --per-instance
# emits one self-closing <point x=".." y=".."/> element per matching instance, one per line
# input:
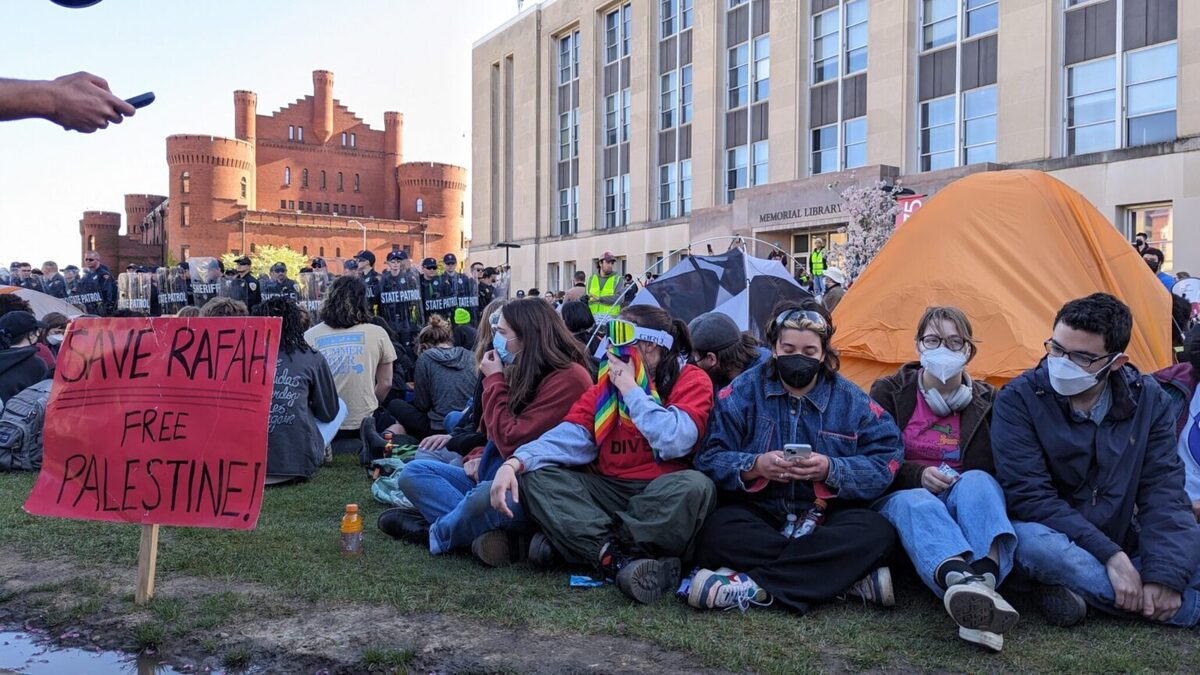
<point x="796" y="370"/>
<point x="1153" y="265"/>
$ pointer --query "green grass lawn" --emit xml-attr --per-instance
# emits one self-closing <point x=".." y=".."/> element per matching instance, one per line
<point x="295" y="550"/>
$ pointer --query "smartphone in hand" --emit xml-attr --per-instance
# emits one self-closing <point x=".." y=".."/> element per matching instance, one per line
<point x="797" y="451"/>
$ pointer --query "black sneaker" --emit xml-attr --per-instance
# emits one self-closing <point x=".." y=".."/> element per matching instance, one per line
<point x="493" y="548"/>
<point x="1061" y="606"/>
<point x="372" y="443"/>
<point x="406" y="524"/>
<point x="542" y="553"/>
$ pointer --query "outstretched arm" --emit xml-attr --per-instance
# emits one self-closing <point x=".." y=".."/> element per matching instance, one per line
<point x="77" y="102"/>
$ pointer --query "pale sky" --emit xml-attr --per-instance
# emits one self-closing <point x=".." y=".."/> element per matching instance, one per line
<point x="408" y="55"/>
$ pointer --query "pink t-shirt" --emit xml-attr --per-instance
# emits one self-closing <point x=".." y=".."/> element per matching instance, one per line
<point x="931" y="440"/>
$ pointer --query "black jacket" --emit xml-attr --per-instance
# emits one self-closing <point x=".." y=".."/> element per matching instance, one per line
<point x="898" y="395"/>
<point x="1116" y="486"/>
<point x="20" y="367"/>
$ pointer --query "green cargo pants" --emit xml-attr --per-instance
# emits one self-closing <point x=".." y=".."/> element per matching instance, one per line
<point x="581" y="512"/>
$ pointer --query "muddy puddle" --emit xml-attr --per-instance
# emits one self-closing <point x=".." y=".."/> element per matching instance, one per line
<point x="29" y="654"/>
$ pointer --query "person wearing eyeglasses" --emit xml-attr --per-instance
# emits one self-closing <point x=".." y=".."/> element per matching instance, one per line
<point x="945" y="503"/>
<point x="794" y="449"/>
<point x="634" y="515"/>
<point x="1083" y="443"/>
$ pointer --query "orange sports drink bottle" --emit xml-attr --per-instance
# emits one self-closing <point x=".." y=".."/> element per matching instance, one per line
<point x="352" y="532"/>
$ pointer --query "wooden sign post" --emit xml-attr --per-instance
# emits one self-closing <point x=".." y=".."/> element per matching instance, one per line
<point x="159" y="422"/>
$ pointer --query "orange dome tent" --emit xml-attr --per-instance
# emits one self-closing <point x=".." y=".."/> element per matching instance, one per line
<point x="1009" y="248"/>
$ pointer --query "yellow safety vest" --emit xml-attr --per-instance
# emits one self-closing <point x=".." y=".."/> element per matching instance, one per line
<point x="596" y="290"/>
<point x="817" y="263"/>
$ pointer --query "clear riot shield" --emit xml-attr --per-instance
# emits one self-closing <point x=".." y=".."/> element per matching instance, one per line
<point x="172" y="291"/>
<point x="207" y="280"/>
<point x="311" y="287"/>
<point x="400" y="303"/>
<point x="75" y="293"/>
<point x="467" y="292"/>
<point x="134" y="291"/>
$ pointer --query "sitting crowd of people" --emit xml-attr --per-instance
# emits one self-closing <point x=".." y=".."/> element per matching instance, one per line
<point x="691" y="460"/>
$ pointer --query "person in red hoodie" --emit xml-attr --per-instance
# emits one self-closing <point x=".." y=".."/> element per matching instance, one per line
<point x="532" y="375"/>
<point x="638" y="508"/>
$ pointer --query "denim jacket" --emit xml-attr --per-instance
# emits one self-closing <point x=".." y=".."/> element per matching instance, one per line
<point x="756" y="415"/>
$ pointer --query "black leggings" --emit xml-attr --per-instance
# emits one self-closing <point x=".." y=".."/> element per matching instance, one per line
<point x="415" y="422"/>
<point x="796" y="572"/>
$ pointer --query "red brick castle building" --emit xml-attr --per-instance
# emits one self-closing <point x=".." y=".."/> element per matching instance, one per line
<point x="312" y="176"/>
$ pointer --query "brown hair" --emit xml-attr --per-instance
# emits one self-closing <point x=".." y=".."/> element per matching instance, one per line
<point x="345" y="305"/>
<point x="667" y="372"/>
<point x="738" y="356"/>
<point x="546" y="346"/>
<point x="57" y="320"/>
<point x="437" y="332"/>
<point x="188" y="312"/>
<point x="483" y="339"/>
<point x="832" y="361"/>
<point x="218" y="307"/>
<point x="934" y="316"/>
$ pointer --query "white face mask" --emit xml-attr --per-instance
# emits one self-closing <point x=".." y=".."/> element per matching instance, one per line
<point x="1069" y="378"/>
<point x="943" y="363"/>
<point x="55" y="339"/>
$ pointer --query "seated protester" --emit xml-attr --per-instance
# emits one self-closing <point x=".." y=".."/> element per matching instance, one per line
<point x="723" y="351"/>
<point x="402" y="367"/>
<point x="443" y="380"/>
<point x="304" y="394"/>
<point x="532" y="377"/>
<point x="1086" y="441"/>
<point x="465" y="334"/>
<point x="945" y="504"/>
<point x="52" y="335"/>
<point x="20" y="366"/>
<point x="224" y="307"/>
<point x="13" y="303"/>
<point x="360" y="356"/>
<point x="636" y="512"/>
<point x="1179" y="381"/>
<point x="188" y="312"/>
<point x="578" y="317"/>
<point x="796" y="397"/>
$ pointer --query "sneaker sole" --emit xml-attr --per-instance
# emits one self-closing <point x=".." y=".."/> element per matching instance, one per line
<point x="993" y="642"/>
<point x="492" y="549"/>
<point x="1061" y="607"/>
<point x="648" y="580"/>
<point x="887" y="595"/>
<point x="975" y="609"/>
<point x="542" y="555"/>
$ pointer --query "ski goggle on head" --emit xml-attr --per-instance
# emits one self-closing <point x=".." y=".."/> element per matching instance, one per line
<point x="622" y="333"/>
<point x="805" y="319"/>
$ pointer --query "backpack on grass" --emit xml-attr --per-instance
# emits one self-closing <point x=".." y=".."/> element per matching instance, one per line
<point x="21" y="426"/>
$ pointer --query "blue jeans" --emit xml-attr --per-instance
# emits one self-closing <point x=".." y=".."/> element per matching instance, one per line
<point x="818" y="284"/>
<point x="962" y="521"/>
<point x="457" y="508"/>
<point x="1049" y="557"/>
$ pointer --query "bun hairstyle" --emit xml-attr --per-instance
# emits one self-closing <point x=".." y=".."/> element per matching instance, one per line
<point x="437" y="332"/>
<point x="656" y="318"/>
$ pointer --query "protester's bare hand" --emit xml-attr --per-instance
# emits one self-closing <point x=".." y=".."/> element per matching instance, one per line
<point x="620" y="373"/>
<point x="1160" y="603"/>
<point x="491" y="363"/>
<point x="815" y="467"/>
<point x="471" y="466"/>
<point x="83" y="102"/>
<point x="504" y="483"/>
<point x="1126" y="582"/>
<point x="434" y="442"/>
<point x="935" y="481"/>
<point x="773" y="466"/>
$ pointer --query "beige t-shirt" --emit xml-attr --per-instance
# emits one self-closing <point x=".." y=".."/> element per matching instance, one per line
<point x="353" y="355"/>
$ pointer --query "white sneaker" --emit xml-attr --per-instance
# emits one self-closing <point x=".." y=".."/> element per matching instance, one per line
<point x="876" y="587"/>
<point x="724" y="589"/>
<point x="975" y="606"/>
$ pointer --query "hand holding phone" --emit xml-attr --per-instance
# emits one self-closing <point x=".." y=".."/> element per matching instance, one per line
<point x="141" y="100"/>
<point x="797" y="451"/>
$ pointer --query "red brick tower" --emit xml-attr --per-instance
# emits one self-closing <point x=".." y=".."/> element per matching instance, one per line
<point x="437" y="193"/>
<point x="245" y="120"/>
<point x="322" y="121"/>
<point x="100" y="231"/>
<point x="212" y="182"/>
<point x="393" y="156"/>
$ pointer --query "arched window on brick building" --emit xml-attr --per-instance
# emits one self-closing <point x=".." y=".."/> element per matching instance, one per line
<point x="341" y="182"/>
<point x="185" y="182"/>
<point x="420" y="205"/>
<point x="353" y="141"/>
<point x="243" y="187"/>
<point x="304" y="178"/>
<point x="337" y="252"/>
<point x="322" y="253"/>
<point x="343" y="139"/>
<point x="287" y="176"/>
<point x="91" y="242"/>
<point x="305" y="250"/>
<point x="322" y="179"/>
<point x="357" y="184"/>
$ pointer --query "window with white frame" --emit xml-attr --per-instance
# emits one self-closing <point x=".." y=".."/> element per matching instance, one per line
<point x="937" y="134"/>
<point x="939" y="23"/>
<point x="758" y="168"/>
<point x="738" y="172"/>
<point x="567" y="92"/>
<point x="685" y="187"/>
<point x="747" y="84"/>
<point x="1121" y="80"/>
<point x="838" y="64"/>
<point x="739" y="76"/>
<point x="675" y="104"/>
<point x="617" y="113"/>
<point x="982" y="16"/>
<point x="979" y="125"/>
<point x="1157" y="221"/>
<point x="762" y="68"/>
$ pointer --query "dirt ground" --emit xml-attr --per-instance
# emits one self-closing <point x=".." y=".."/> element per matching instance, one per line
<point x="281" y="634"/>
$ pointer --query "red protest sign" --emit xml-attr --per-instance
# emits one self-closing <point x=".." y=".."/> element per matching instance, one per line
<point x="159" y="421"/>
